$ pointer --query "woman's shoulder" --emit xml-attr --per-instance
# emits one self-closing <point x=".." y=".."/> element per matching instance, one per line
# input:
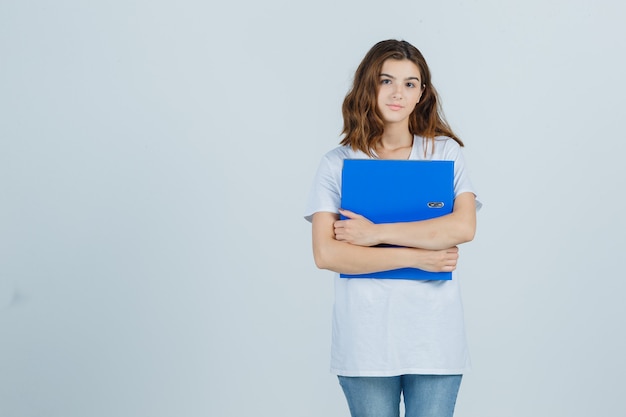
<point x="438" y="139"/>
<point x="447" y="142"/>
<point x="340" y="153"/>
<point x="439" y="147"/>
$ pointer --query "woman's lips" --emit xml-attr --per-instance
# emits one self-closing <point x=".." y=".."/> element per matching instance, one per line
<point x="395" y="106"/>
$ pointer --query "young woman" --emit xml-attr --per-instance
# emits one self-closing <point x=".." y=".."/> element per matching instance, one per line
<point x="391" y="336"/>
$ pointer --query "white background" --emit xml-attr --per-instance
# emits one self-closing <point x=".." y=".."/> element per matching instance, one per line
<point x="155" y="159"/>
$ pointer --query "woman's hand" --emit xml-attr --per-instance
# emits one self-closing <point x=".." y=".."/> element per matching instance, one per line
<point x="438" y="260"/>
<point x="356" y="230"/>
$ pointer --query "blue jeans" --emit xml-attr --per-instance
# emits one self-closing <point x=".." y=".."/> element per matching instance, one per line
<point x="424" y="395"/>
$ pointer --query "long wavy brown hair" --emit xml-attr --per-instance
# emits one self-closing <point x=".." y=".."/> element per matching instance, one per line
<point x="363" y="125"/>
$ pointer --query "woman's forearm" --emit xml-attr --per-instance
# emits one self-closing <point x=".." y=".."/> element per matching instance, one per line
<point x="350" y="259"/>
<point x="439" y="233"/>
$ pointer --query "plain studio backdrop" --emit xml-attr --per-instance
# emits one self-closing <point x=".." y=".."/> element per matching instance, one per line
<point x="155" y="158"/>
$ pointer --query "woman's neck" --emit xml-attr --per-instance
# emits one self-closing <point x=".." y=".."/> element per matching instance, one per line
<point x="395" y="143"/>
<point x="396" y="136"/>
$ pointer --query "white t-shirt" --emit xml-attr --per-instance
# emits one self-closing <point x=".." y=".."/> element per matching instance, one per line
<point x="389" y="327"/>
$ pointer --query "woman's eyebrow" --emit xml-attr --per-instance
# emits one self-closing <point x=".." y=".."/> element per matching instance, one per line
<point x="393" y="78"/>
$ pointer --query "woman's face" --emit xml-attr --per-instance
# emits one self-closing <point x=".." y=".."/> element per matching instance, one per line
<point x="399" y="91"/>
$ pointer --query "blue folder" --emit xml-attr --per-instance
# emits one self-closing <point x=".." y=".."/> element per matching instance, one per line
<point x="390" y="191"/>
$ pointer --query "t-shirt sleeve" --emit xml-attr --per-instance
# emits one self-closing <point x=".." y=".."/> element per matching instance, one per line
<point x="325" y="193"/>
<point x="462" y="182"/>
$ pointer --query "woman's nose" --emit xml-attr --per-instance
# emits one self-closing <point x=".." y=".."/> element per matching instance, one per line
<point x="397" y="92"/>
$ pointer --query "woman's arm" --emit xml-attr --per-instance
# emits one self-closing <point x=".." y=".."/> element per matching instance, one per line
<point x="434" y="234"/>
<point x="344" y="257"/>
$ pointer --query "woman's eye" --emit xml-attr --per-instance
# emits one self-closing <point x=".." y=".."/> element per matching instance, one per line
<point x="410" y="85"/>
<point x="385" y="81"/>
